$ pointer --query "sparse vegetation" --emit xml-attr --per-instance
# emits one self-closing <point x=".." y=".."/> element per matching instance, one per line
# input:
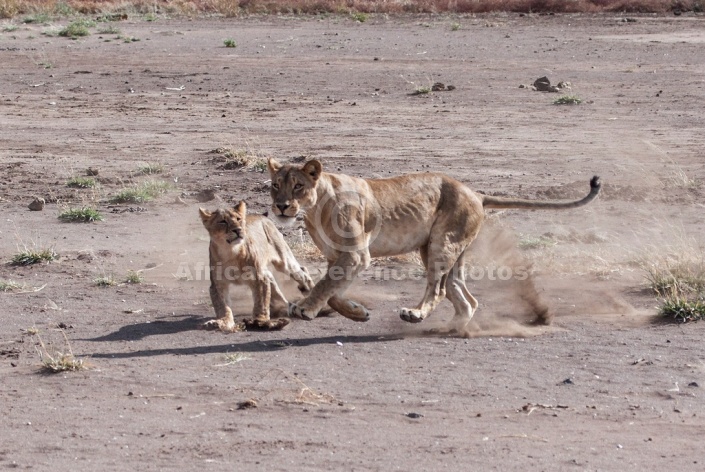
<point x="77" y="29"/>
<point x="37" y="18"/>
<point x="150" y="168"/>
<point x="134" y="277"/>
<point x="540" y="242"/>
<point x="234" y="358"/>
<point x="421" y="90"/>
<point x="683" y="310"/>
<point x="81" y="182"/>
<point x="239" y="159"/>
<point x="359" y="16"/>
<point x="57" y="362"/>
<point x="9" y="28"/>
<point x="82" y="215"/>
<point x="230" y="43"/>
<point x="105" y="281"/>
<point x="568" y="100"/>
<point x="109" y="29"/>
<point x="33" y="256"/>
<point x="10" y="286"/>
<point x="454" y="26"/>
<point x="676" y="276"/>
<point x="142" y="193"/>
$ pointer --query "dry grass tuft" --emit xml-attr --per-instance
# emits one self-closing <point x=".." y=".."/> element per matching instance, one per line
<point x="56" y="361"/>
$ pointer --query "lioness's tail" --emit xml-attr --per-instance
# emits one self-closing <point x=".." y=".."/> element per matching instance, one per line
<point x="503" y="202"/>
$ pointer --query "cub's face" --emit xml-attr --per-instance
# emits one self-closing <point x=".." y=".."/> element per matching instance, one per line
<point x="225" y="224"/>
<point x="293" y="188"/>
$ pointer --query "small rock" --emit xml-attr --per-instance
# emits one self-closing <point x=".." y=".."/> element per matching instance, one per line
<point x="414" y="415"/>
<point x="92" y="171"/>
<point x="437" y="87"/>
<point x="247" y="404"/>
<point x="205" y="195"/>
<point x="693" y="384"/>
<point x="568" y="381"/>
<point x="36" y="205"/>
<point x="542" y="84"/>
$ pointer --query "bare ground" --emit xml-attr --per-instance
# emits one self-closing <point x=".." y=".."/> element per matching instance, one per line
<point x="603" y="388"/>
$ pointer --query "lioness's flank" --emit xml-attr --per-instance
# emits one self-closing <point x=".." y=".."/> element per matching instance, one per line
<point x="241" y="249"/>
<point x="352" y="220"/>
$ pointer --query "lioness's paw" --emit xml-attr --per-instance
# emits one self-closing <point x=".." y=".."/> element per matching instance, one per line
<point x="410" y="315"/>
<point x="359" y="312"/>
<point x="296" y="311"/>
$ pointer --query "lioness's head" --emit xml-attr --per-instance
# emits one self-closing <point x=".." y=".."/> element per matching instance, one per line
<point x="293" y="188"/>
<point x="225" y="224"/>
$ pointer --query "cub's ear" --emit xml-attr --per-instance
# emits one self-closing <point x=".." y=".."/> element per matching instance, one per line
<point x="273" y="165"/>
<point x="205" y="215"/>
<point x="313" y="169"/>
<point x="241" y="208"/>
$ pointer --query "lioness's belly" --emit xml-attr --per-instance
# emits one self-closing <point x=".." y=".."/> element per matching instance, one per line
<point x="392" y="241"/>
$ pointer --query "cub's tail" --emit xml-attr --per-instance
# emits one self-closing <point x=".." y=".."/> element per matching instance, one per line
<point x="490" y="202"/>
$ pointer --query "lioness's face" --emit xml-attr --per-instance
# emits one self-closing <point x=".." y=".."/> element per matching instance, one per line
<point x="293" y="188"/>
<point x="225" y="224"/>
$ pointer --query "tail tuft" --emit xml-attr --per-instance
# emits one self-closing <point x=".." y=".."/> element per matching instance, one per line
<point x="595" y="182"/>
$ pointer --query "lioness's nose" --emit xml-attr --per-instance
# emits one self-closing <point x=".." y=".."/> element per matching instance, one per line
<point x="283" y="206"/>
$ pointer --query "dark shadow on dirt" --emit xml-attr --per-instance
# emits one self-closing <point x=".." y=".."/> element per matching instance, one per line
<point x="135" y="332"/>
<point x="251" y="346"/>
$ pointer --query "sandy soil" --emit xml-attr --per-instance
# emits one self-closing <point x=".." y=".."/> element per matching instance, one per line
<point x="603" y="388"/>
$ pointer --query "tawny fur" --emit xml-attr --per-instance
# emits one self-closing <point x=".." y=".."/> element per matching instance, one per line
<point x="242" y="248"/>
<point x="352" y="220"/>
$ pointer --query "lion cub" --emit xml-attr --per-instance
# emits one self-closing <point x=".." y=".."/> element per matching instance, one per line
<point x="241" y="249"/>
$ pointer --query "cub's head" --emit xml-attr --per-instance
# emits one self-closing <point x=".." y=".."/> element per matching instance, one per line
<point x="293" y="188"/>
<point x="225" y="225"/>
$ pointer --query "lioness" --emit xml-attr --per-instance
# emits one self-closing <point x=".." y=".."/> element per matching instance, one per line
<point x="241" y="248"/>
<point x="352" y="220"/>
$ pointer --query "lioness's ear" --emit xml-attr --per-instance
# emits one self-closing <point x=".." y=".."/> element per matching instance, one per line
<point x="273" y="165"/>
<point x="313" y="168"/>
<point x="205" y="215"/>
<point x="241" y="208"/>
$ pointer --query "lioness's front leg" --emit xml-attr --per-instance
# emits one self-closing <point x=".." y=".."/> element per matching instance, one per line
<point x="337" y="279"/>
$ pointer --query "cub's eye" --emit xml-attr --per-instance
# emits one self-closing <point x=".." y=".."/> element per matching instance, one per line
<point x="238" y="219"/>
<point x="298" y="187"/>
<point x="275" y="186"/>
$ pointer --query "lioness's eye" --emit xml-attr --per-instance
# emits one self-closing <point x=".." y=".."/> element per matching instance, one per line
<point x="275" y="186"/>
<point x="238" y="219"/>
<point x="298" y="187"/>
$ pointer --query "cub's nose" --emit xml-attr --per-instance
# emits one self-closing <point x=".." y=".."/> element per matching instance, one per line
<point x="283" y="206"/>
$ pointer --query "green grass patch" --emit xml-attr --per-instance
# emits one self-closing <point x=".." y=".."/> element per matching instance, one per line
<point x="568" y="100"/>
<point x="105" y="281"/>
<point x="230" y="43"/>
<point x="80" y="215"/>
<point x="10" y="28"/>
<point x="109" y="29"/>
<point x="76" y="29"/>
<point x="541" y="242"/>
<point x="81" y="182"/>
<point x="33" y="256"/>
<point x="421" y="90"/>
<point x="144" y="192"/>
<point x="361" y="17"/>
<point x="37" y="18"/>
<point x="150" y="169"/>
<point x="134" y="277"/>
<point x="682" y="309"/>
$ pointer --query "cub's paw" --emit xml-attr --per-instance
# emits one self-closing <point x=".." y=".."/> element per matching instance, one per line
<point x="226" y="326"/>
<point x="411" y="315"/>
<point x="258" y="324"/>
<point x="296" y="311"/>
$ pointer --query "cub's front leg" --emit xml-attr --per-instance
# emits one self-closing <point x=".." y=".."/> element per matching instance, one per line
<point x="261" y="296"/>
<point x="220" y="299"/>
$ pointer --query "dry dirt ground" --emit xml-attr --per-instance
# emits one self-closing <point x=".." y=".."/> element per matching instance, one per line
<point x="603" y="388"/>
